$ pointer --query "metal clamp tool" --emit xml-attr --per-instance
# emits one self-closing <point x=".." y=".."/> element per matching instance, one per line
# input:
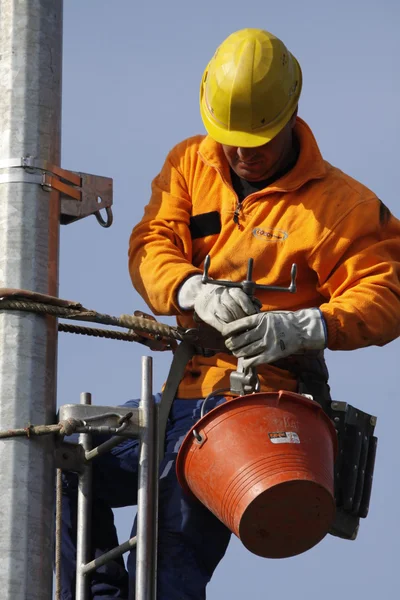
<point x="245" y="381"/>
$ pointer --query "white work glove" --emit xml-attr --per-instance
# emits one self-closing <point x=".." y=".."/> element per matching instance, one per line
<point x="269" y="336"/>
<point x="215" y="304"/>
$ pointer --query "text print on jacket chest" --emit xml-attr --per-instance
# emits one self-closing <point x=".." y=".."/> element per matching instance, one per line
<point x="270" y="235"/>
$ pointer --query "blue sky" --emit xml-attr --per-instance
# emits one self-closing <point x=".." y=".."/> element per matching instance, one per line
<point x="130" y="92"/>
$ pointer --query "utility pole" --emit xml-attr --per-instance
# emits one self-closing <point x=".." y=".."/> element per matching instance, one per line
<point x="30" y="125"/>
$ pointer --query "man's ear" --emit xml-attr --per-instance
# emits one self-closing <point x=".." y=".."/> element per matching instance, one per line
<point x="292" y="121"/>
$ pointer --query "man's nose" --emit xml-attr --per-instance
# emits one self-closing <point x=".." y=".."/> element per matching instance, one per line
<point x="245" y="153"/>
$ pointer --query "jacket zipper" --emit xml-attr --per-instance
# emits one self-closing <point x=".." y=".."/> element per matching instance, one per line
<point x="236" y="214"/>
<point x="239" y="204"/>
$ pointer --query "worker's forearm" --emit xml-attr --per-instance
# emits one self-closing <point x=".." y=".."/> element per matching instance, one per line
<point x="158" y="268"/>
<point x="360" y="319"/>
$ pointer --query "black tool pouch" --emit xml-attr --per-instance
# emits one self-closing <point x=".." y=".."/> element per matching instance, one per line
<point x="354" y="467"/>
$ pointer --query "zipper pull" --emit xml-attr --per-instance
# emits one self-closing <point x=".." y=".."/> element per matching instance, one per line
<point x="236" y="214"/>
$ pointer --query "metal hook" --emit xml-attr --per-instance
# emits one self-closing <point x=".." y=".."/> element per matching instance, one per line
<point x="100" y="219"/>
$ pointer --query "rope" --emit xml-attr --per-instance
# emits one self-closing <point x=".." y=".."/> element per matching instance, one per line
<point x="67" y="427"/>
<point x="102" y="333"/>
<point x="129" y="322"/>
<point x="70" y="426"/>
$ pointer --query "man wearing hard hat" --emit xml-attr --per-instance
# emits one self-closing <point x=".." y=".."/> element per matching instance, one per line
<point x="256" y="186"/>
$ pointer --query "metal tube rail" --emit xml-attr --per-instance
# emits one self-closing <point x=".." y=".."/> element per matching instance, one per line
<point x="146" y="552"/>
<point x="83" y="542"/>
<point x="57" y="561"/>
<point x="110" y="555"/>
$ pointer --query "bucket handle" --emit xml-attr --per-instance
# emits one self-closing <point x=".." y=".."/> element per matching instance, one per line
<point x="199" y="438"/>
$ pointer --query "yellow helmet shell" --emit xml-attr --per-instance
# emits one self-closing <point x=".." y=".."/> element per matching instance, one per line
<point x="250" y="89"/>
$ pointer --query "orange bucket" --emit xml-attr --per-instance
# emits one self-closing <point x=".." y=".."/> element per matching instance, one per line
<point x="263" y="464"/>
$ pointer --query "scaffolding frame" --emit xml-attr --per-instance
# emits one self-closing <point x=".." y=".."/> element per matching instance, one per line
<point x="143" y="424"/>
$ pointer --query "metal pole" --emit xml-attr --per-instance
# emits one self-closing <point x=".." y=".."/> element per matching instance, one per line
<point x="30" y="123"/>
<point x="83" y="542"/>
<point x="146" y="551"/>
<point x="57" y="552"/>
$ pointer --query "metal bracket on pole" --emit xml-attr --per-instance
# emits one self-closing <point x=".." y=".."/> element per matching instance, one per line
<point x="81" y="194"/>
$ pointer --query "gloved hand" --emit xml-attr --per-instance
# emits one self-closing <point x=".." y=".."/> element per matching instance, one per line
<point x="269" y="336"/>
<point x="215" y="304"/>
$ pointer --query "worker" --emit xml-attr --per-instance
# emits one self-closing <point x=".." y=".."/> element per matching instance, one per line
<point x="256" y="186"/>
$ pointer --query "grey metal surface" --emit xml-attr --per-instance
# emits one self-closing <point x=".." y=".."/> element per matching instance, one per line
<point x="57" y="552"/>
<point x="84" y="514"/>
<point x="110" y="555"/>
<point x="146" y="552"/>
<point x="109" y="416"/>
<point x="30" y="115"/>
<point x="97" y="194"/>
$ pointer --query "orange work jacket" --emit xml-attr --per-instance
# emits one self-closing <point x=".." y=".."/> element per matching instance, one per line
<point x="345" y="242"/>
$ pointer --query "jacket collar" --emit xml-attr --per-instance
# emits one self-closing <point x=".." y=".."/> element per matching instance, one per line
<point x="310" y="164"/>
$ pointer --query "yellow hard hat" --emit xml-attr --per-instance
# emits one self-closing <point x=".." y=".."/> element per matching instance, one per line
<point x="250" y="89"/>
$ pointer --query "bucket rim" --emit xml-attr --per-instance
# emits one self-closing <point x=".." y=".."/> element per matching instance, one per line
<point x="190" y="438"/>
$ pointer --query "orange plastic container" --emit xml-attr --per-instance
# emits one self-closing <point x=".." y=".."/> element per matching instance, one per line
<point x="264" y="467"/>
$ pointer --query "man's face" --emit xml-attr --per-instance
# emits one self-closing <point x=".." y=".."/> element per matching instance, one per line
<point x="261" y="162"/>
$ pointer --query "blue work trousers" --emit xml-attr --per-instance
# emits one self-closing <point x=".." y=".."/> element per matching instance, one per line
<point x="191" y="540"/>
